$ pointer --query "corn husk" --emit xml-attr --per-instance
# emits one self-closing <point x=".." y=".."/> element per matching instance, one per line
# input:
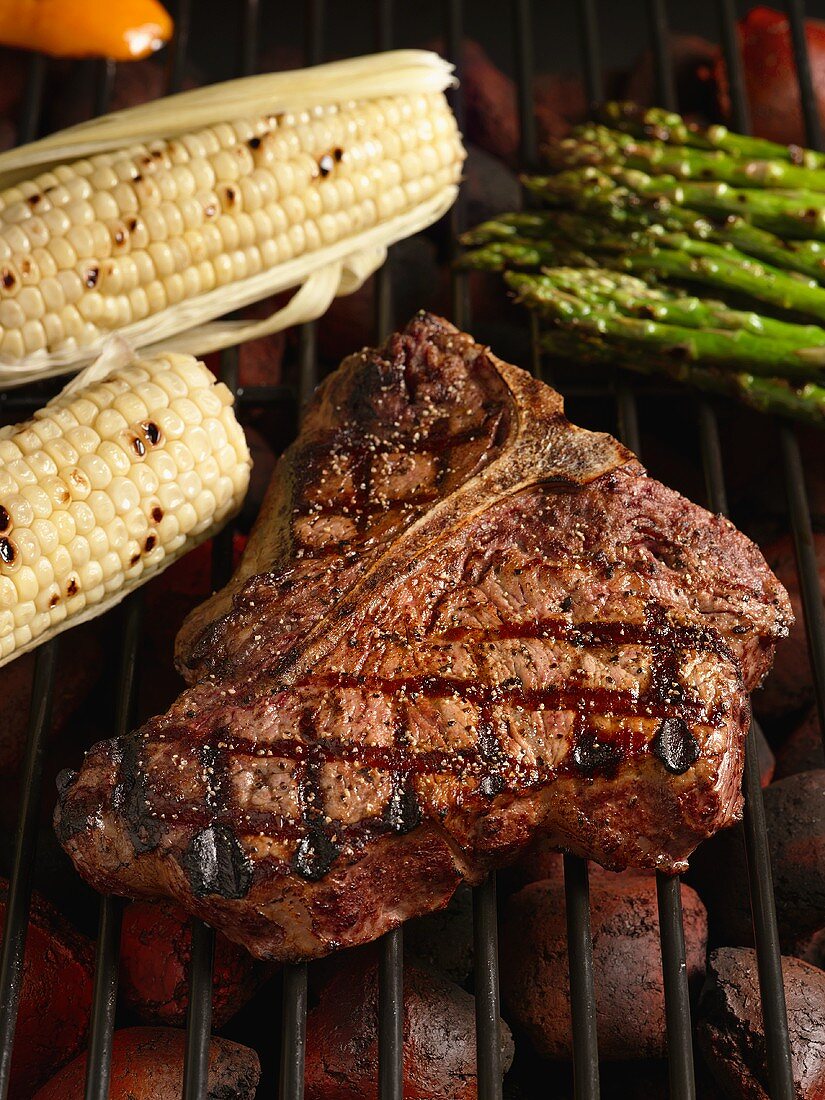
<point x="201" y="325"/>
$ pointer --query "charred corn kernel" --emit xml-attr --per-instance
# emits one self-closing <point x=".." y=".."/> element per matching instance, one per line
<point x="129" y="234"/>
<point x="96" y="495"/>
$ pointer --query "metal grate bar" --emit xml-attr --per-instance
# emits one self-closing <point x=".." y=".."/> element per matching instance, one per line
<point x="677" y="992"/>
<point x="32" y="98"/>
<point x="626" y="412"/>
<point x="107" y="951"/>
<point x="199" y="1012"/>
<point x="201" y="964"/>
<point x="293" y="1032"/>
<point x="391" y="947"/>
<point x="591" y="52"/>
<point x="383" y="302"/>
<point x="249" y="37"/>
<point x="668" y="889"/>
<point x="308" y="364"/>
<point x="383" y="25"/>
<point x="627" y="417"/>
<point x="15" y="925"/>
<point x="293" y="1024"/>
<point x="763" y="910"/>
<point x="740" y="109"/>
<point x="660" y="44"/>
<point x="760" y="876"/>
<point x="266" y="395"/>
<point x="104" y="86"/>
<point x="485" y="933"/>
<point x="528" y="148"/>
<point x="391" y="1015"/>
<point x="308" y="336"/>
<point x="488" y="1035"/>
<point x="104" y="1001"/>
<point x="576" y="876"/>
<point x="794" y="476"/>
<point x="176" y="70"/>
<point x="222" y="544"/>
<point x="20" y="885"/>
<point x="454" y="36"/>
<point x="314" y="32"/>
<point x="459" y="283"/>
<point x="582" y="988"/>
<point x="806" y="564"/>
<point x="807" y="96"/>
<point x="711" y="448"/>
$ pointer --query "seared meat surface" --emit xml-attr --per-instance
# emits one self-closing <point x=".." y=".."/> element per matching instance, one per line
<point x="460" y="621"/>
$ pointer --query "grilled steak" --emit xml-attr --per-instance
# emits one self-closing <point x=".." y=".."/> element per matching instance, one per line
<point x="460" y="621"/>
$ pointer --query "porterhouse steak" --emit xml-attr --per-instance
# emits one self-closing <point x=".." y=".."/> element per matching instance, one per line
<point x="460" y="621"/>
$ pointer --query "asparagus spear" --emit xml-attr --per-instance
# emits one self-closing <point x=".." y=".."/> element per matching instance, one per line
<point x="519" y="252"/>
<point x="754" y="280"/>
<point x="658" y="255"/>
<point x="599" y="145"/>
<point x="794" y="214"/>
<point x="633" y="297"/>
<point x="532" y="224"/>
<point x="593" y="191"/>
<point x="655" y="122"/>
<point x="767" y="395"/>
<point x="763" y="355"/>
<point x="629" y="209"/>
<point x="650" y="201"/>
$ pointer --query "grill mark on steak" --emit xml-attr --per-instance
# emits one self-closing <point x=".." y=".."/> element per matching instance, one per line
<point x="657" y="702"/>
<point x="490" y="753"/>
<point x="459" y="621"/>
<point x="359" y="507"/>
<point x="403" y="812"/>
<point x="316" y="850"/>
<point x="592" y="752"/>
<point x="656" y="631"/>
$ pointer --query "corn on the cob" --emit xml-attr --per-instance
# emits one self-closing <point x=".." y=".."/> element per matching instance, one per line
<point x="159" y="237"/>
<point x="107" y="485"/>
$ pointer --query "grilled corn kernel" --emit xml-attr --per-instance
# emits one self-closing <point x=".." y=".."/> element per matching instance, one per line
<point x="109" y="484"/>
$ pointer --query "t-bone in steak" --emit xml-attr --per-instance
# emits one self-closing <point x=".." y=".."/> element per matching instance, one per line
<point x="460" y="621"/>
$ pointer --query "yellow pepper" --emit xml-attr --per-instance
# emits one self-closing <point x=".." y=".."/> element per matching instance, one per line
<point x="124" y="30"/>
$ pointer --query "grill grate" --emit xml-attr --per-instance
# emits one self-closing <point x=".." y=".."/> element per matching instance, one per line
<point x="293" y="1024"/>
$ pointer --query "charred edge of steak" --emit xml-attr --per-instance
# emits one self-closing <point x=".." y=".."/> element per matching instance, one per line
<point x="215" y="863"/>
<point x="74" y="814"/>
<point x="64" y="779"/>
<point x="129" y="797"/>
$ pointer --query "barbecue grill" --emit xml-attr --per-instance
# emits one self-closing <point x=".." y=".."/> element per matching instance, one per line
<point x="377" y="20"/>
